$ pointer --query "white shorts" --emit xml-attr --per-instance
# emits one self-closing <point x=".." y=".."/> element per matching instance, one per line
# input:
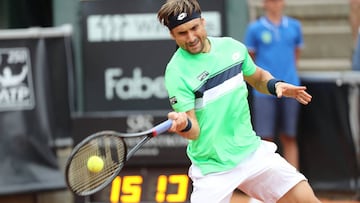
<point x="264" y="175"/>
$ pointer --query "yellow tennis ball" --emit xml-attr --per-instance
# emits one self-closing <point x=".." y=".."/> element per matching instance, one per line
<point x="95" y="164"/>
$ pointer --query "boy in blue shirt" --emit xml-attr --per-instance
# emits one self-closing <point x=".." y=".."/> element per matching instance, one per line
<point x="274" y="42"/>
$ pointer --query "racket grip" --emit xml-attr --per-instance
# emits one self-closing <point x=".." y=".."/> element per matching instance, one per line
<point x="162" y="127"/>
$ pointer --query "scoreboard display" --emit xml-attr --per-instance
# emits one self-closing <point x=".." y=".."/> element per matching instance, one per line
<point x="148" y="184"/>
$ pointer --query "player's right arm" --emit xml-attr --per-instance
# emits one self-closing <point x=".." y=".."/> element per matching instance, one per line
<point x="185" y="124"/>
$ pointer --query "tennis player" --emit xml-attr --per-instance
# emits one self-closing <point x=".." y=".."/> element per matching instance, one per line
<point x="206" y="82"/>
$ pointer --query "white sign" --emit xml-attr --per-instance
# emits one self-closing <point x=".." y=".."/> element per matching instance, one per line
<point x="135" y="87"/>
<point x="139" y="27"/>
<point x="16" y="86"/>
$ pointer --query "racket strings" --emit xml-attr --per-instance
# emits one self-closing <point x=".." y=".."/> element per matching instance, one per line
<point x="89" y="183"/>
<point x="110" y="148"/>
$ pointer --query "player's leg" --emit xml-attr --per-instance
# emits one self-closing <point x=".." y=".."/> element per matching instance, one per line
<point x="213" y="188"/>
<point x="274" y="178"/>
<point x="288" y="129"/>
<point x="218" y="187"/>
<point x="302" y="192"/>
<point x="253" y="200"/>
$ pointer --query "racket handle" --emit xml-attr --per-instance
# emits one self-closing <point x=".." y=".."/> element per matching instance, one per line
<point x="162" y="127"/>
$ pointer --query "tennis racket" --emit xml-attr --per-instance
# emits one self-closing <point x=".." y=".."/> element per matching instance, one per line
<point x="111" y="148"/>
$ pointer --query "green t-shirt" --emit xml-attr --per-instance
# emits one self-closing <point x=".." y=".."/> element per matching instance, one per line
<point x="213" y="84"/>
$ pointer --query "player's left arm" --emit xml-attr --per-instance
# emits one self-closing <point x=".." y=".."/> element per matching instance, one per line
<point x="297" y="92"/>
<point x="260" y="79"/>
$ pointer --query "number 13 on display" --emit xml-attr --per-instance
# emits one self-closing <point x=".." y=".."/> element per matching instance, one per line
<point x="130" y="188"/>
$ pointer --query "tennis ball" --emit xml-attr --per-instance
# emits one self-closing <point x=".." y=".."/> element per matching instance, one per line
<point x="95" y="164"/>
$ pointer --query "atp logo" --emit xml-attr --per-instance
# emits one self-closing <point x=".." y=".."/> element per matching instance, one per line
<point x="16" y="86"/>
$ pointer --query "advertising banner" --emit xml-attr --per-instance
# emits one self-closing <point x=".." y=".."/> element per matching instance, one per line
<point x="125" y="51"/>
<point x="34" y="108"/>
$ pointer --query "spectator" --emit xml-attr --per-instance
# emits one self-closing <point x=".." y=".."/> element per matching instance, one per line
<point x="354" y="18"/>
<point x="274" y="41"/>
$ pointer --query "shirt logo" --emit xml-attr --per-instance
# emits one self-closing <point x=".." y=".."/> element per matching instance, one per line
<point x="173" y="100"/>
<point x="203" y="75"/>
<point x="266" y="37"/>
<point x="235" y="56"/>
<point x="181" y="16"/>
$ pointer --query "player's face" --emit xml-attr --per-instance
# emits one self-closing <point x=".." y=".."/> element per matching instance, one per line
<point x="192" y="36"/>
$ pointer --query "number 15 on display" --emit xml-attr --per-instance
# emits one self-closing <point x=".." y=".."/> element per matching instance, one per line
<point x="130" y="189"/>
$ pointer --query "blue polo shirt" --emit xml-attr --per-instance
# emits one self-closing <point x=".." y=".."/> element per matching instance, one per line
<point x="274" y="46"/>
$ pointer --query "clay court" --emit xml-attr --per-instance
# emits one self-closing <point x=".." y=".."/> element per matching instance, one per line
<point x="325" y="198"/>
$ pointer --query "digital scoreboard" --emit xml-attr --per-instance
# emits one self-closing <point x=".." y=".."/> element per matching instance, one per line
<point x="148" y="184"/>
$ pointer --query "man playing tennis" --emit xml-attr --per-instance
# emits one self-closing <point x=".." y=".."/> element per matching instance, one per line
<point x="206" y="82"/>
